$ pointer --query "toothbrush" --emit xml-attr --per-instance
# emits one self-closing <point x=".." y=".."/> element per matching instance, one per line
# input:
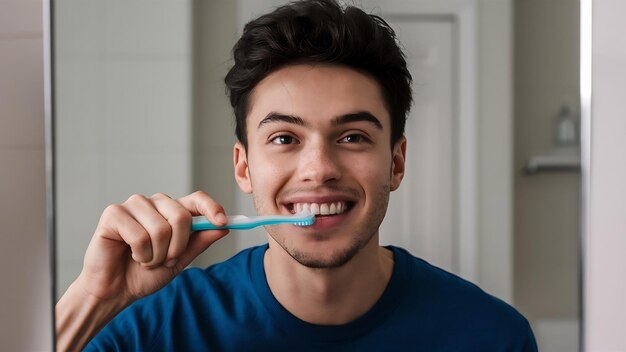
<point x="242" y="222"/>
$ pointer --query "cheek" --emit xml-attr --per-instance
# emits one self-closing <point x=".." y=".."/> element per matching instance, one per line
<point x="370" y="168"/>
<point x="267" y="174"/>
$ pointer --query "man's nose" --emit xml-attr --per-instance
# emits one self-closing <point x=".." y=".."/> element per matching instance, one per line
<point x="319" y="164"/>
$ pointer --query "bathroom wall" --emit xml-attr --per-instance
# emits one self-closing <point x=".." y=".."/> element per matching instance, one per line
<point x="214" y="34"/>
<point x="123" y="94"/>
<point x="24" y="319"/>
<point x="25" y="297"/>
<point x="546" y="206"/>
<point x="132" y="116"/>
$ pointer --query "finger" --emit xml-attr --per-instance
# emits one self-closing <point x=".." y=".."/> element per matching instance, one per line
<point x="198" y="243"/>
<point x="179" y="220"/>
<point x="157" y="226"/>
<point x="199" y="203"/>
<point x="117" y="224"/>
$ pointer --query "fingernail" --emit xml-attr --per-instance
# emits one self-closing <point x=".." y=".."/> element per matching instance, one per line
<point x="170" y="263"/>
<point x="221" y="218"/>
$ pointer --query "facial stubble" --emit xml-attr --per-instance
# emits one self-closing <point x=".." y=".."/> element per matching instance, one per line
<point x="361" y="236"/>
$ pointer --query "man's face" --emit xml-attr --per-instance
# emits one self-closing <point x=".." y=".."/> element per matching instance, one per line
<point x="319" y="138"/>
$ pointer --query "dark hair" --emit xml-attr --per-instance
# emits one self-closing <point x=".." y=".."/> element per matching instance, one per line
<point x="319" y="31"/>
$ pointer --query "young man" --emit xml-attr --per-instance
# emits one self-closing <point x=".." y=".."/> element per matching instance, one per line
<point x="320" y="95"/>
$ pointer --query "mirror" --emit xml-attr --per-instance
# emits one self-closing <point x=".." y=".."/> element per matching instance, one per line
<point x="493" y="188"/>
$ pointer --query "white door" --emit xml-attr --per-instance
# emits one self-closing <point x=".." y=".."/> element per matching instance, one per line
<point x="421" y="214"/>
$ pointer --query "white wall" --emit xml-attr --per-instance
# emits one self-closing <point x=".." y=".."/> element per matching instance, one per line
<point x="495" y="147"/>
<point x="123" y="113"/>
<point x="605" y="274"/>
<point x="214" y="35"/>
<point x="25" y="297"/>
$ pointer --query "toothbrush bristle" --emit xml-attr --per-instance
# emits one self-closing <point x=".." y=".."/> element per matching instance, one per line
<point x="304" y="223"/>
<point x="307" y="221"/>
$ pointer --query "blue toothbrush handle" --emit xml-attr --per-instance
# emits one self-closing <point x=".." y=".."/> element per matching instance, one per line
<point x="201" y="223"/>
<point x="241" y="222"/>
<point x="206" y="226"/>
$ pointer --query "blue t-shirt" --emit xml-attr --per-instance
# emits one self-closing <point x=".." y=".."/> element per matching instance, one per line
<point x="229" y="307"/>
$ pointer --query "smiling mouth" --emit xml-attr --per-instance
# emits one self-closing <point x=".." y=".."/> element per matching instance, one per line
<point x="321" y="209"/>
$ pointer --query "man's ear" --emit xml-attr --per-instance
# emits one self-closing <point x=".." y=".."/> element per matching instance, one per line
<point x="242" y="173"/>
<point x="398" y="163"/>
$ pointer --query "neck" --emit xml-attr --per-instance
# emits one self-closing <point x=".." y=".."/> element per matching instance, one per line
<point x="329" y="296"/>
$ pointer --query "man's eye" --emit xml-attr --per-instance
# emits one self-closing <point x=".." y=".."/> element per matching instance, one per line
<point x="354" y="138"/>
<point x="284" y="139"/>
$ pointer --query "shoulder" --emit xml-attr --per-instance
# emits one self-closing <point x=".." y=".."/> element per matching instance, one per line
<point x="461" y="306"/>
<point x="437" y="283"/>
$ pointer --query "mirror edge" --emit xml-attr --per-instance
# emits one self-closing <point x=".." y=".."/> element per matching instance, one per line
<point x="585" y="151"/>
<point x="48" y="63"/>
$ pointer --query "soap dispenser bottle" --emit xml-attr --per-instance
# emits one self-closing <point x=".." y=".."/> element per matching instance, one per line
<point x="565" y="128"/>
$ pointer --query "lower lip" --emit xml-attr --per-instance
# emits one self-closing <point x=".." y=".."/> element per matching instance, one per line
<point x="327" y="222"/>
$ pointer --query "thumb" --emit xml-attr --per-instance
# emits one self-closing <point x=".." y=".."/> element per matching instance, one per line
<point x="198" y="243"/>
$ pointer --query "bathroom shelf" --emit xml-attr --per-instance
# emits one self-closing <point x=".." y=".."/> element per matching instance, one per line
<point x="553" y="163"/>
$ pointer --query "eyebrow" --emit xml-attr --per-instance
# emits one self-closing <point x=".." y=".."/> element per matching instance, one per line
<point x="357" y="117"/>
<point x="343" y="119"/>
<point x="277" y="117"/>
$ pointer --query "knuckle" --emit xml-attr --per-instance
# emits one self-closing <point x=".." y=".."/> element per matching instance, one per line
<point x="112" y="210"/>
<point x="135" y="198"/>
<point x="160" y="195"/>
<point x="182" y="218"/>
<point x="200" y="194"/>
<point x="140" y="241"/>
<point x="161" y="230"/>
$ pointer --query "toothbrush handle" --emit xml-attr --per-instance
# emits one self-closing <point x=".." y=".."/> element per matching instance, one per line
<point x="201" y="223"/>
<point x="242" y="222"/>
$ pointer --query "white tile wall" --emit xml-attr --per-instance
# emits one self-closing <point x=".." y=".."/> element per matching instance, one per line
<point x="86" y="39"/>
<point x="147" y="28"/>
<point x="123" y="112"/>
<point x="77" y="180"/>
<point x="144" y="173"/>
<point x="215" y="33"/>
<point x="147" y="105"/>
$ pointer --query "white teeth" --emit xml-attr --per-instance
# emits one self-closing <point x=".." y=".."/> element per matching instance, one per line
<point x="300" y="207"/>
<point x="321" y="208"/>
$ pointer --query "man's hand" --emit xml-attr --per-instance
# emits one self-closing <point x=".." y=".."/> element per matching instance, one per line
<point x="138" y="247"/>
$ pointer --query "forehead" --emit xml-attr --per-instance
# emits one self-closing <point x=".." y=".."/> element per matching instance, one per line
<point x="317" y="94"/>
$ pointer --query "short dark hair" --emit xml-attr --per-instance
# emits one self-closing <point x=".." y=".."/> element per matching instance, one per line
<point x="320" y="31"/>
